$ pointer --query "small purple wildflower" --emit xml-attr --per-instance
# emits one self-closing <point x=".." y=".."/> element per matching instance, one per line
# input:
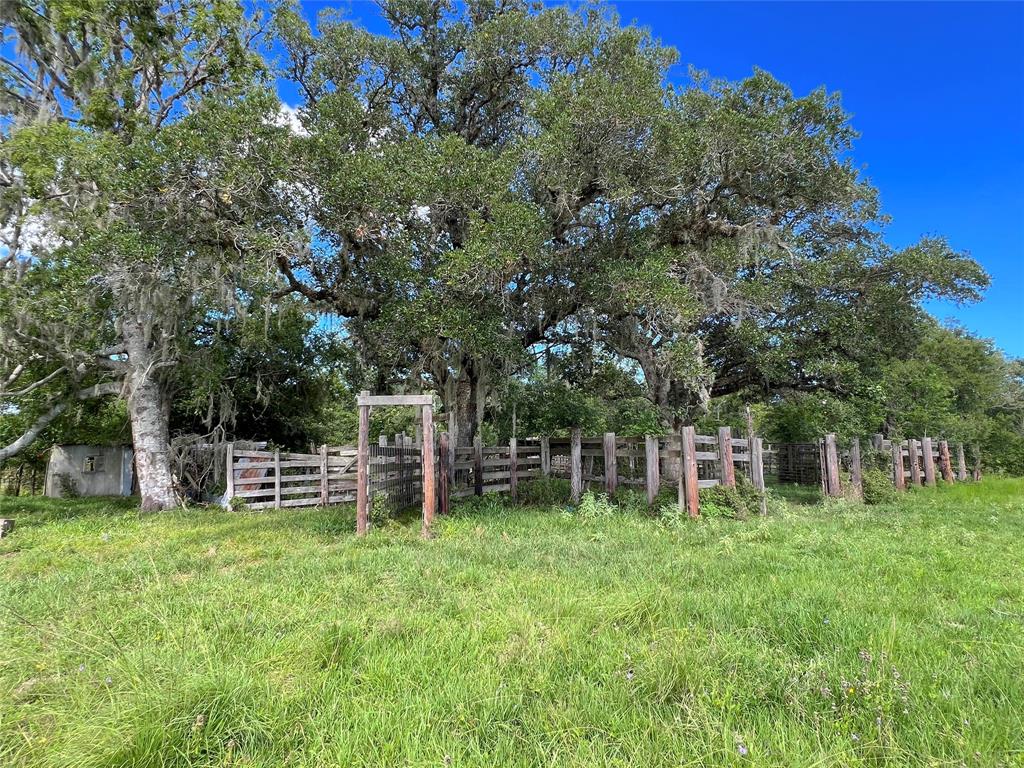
<point x="742" y="749"/>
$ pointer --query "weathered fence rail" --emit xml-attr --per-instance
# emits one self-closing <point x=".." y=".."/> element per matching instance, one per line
<point x="265" y="479"/>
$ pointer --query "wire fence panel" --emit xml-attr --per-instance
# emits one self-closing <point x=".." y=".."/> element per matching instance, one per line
<point x="395" y="476"/>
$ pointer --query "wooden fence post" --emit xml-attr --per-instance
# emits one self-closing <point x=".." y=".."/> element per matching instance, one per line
<point x="689" y="489"/>
<point x="611" y="464"/>
<point x="427" y="453"/>
<point x="977" y="462"/>
<point x="898" y="480"/>
<point x="325" y="494"/>
<point x="277" y="479"/>
<point x="929" y="461"/>
<point x="944" y="461"/>
<point x="856" y="471"/>
<point x="576" y="466"/>
<point x="833" y="485"/>
<point x="229" y="461"/>
<point x="822" y="467"/>
<point x="363" y="471"/>
<point x="757" y="471"/>
<point x="877" y="441"/>
<point x="961" y="463"/>
<point x="653" y="466"/>
<point x="478" y="466"/>
<point x="442" y="474"/>
<point x="513" y="469"/>
<point x="545" y="456"/>
<point x="915" y="461"/>
<point x="727" y="468"/>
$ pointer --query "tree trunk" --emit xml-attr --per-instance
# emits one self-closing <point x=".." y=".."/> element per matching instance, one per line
<point x="465" y="406"/>
<point x="149" y="412"/>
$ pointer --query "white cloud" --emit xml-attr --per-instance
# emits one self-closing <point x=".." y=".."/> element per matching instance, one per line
<point x="288" y="117"/>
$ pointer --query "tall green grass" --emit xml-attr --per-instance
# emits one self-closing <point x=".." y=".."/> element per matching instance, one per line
<point x="827" y="635"/>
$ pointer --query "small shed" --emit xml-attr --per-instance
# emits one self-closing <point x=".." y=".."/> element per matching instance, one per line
<point x="90" y="470"/>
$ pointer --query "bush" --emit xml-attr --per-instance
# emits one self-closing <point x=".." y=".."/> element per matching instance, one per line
<point x="739" y="503"/>
<point x="723" y="501"/>
<point x="594" y="505"/>
<point x="379" y="512"/>
<point x="878" y="487"/>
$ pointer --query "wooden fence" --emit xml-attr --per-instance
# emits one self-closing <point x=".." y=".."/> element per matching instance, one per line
<point x="687" y="461"/>
<point x="272" y="479"/>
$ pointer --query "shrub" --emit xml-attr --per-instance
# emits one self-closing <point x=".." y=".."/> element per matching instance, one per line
<point x="878" y="487"/>
<point x="594" y="505"/>
<point x="723" y="501"/>
<point x="740" y="502"/>
<point x="379" y="512"/>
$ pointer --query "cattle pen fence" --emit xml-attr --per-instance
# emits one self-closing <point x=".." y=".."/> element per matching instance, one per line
<point x="687" y="461"/>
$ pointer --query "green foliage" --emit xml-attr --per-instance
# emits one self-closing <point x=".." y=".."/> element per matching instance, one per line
<point x="878" y="487"/>
<point x="544" y="492"/>
<point x="380" y="510"/>
<point x="593" y="506"/>
<point x="740" y="502"/>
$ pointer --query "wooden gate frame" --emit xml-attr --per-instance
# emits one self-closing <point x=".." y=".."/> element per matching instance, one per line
<point x="425" y="403"/>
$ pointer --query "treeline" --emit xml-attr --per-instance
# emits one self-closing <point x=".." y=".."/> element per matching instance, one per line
<point x="509" y="206"/>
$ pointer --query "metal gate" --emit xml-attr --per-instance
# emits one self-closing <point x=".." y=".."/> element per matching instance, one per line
<point x="395" y="476"/>
<point x="799" y="463"/>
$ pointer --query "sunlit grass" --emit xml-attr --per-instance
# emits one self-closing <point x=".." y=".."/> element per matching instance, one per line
<point x="829" y="635"/>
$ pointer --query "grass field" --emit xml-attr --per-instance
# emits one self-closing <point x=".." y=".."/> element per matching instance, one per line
<point x="836" y="635"/>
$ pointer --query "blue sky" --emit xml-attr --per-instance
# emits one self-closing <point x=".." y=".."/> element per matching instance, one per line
<point x="936" y="90"/>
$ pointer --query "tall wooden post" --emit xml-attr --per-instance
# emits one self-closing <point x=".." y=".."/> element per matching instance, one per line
<point x="751" y="438"/>
<point x="545" y="456"/>
<point x="977" y="462"/>
<point x="915" y="461"/>
<point x="727" y="467"/>
<point x="652" y="464"/>
<point x="929" y="461"/>
<point x="478" y="466"/>
<point x="427" y="452"/>
<point x="363" y="471"/>
<point x="229" y="464"/>
<point x="856" y="471"/>
<point x="833" y="486"/>
<point x="443" y="481"/>
<point x="325" y="497"/>
<point x="898" y="480"/>
<point x="513" y="469"/>
<point x="961" y="463"/>
<point x="757" y="471"/>
<point x="611" y="464"/>
<point x="945" y="464"/>
<point x="877" y="441"/>
<point x="576" y="465"/>
<point x="689" y="488"/>
<point x="277" y="479"/>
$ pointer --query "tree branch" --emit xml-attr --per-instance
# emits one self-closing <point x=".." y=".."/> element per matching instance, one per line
<point x="30" y="434"/>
